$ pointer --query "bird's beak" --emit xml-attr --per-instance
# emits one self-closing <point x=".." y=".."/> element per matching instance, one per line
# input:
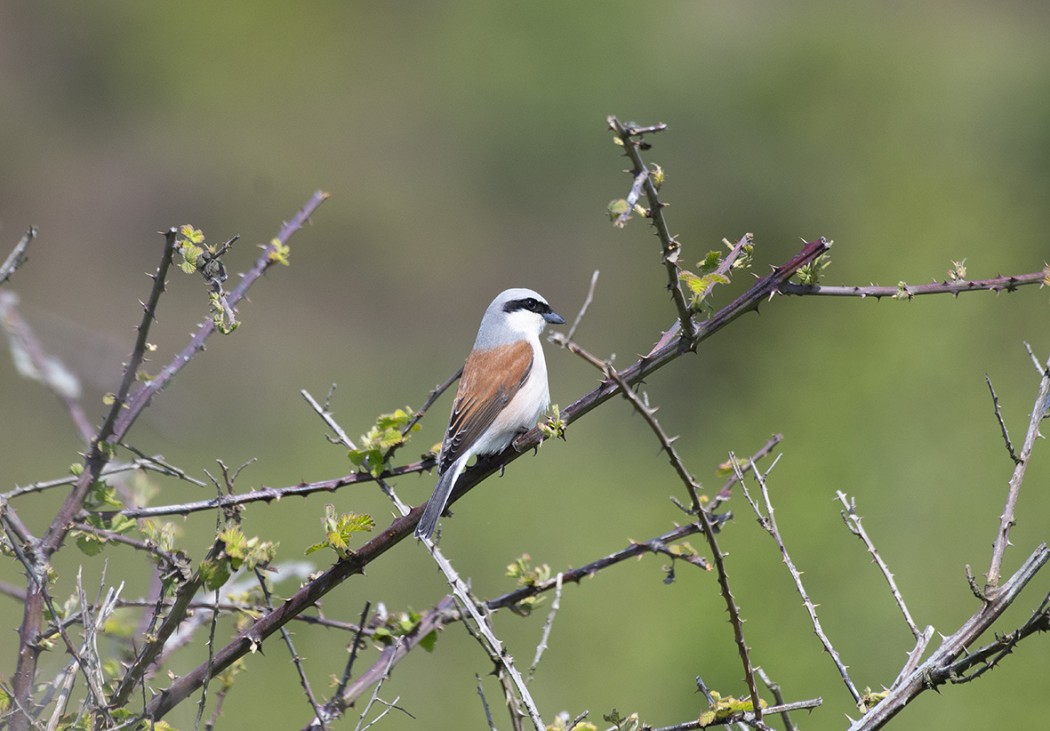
<point x="554" y="318"/>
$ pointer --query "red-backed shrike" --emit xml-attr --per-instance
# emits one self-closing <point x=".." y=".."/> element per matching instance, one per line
<point x="502" y="392"/>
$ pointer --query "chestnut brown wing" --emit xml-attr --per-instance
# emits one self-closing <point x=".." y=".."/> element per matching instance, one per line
<point x="490" y="379"/>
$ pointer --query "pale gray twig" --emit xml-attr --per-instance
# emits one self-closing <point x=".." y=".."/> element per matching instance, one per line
<point x="1007" y="519"/>
<point x="1002" y="424"/>
<point x="18" y="255"/>
<point x="322" y="411"/>
<point x="490" y="642"/>
<point x="938" y="668"/>
<point x="856" y="527"/>
<point x="778" y="696"/>
<point x="545" y="636"/>
<point x="484" y="703"/>
<point x="586" y="305"/>
<point x="769" y="524"/>
<point x="907" y="291"/>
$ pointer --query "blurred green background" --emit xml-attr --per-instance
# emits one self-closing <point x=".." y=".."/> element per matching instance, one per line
<point x="465" y="149"/>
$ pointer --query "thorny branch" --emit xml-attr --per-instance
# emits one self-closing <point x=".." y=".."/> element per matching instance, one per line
<point x="499" y="655"/>
<point x="856" y="527"/>
<point x="684" y="335"/>
<point x="907" y="291"/>
<point x="125" y="409"/>
<point x="705" y="520"/>
<point x="936" y="670"/>
<point x="1002" y="424"/>
<point x="629" y="137"/>
<point x="1007" y="520"/>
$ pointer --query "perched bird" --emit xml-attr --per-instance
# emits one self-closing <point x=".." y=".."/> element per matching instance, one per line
<point x="502" y="392"/>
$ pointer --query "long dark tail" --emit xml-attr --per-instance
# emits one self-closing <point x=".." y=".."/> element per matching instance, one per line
<point x="436" y="505"/>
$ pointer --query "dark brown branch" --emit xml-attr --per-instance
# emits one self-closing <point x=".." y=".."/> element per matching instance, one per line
<point x="403" y="526"/>
<point x="125" y="410"/>
<point x="207" y="327"/>
<point x="269" y="494"/>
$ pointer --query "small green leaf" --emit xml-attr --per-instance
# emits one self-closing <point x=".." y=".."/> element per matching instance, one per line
<point x="191" y="234"/>
<point x="279" y="252"/>
<point x="618" y="208"/>
<point x="700" y="287"/>
<point x="657" y="175"/>
<point x="723" y="708"/>
<point x="388" y="433"/>
<point x="811" y="274"/>
<point x="88" y="543"/>
<point x="428" y="641"/>
<point x="214" y="573"/>
<point x="710" y="262"/>
<point x="243" y="551"/>
<point x="339" y="530"/>
<point x="553" y="426"/>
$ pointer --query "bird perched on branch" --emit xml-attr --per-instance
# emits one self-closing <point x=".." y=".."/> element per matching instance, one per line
<point x="502" y="392"/>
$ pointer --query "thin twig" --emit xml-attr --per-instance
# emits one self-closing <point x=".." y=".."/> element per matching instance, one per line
<point x="335" y="707"/>
<point x="769" y="524"/>
<point x="484" y="703"/>
<point x="670" y="246"/>
<point x="583" y="309"/>
<point x="778" y="696"/>
<point x="37" y="364"/>
<point x="936" y="670"/>
<point x="143" y="462"/>
<point x="907" y="291"/>
<point x="747" y="717"/>
<point x="491" y="643"/>
<point x="18" y="255"/>
<point x="854" y="522"/>
<point x="270" y="494"/>
<point x="541" y="647"/>
<point x="1007" y="520"/>
<point x="1002" y="424"/>
<point x="727" y="489"/>
<point x="326" y="415"/>
<point x="915" y="656"/>
<point x="297" y="660"/>
<point x="373" y="700"/>
<point x="703" y="518"/>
